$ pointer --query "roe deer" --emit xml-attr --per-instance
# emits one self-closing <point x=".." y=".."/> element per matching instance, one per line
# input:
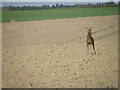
<point x="90" y="40"/>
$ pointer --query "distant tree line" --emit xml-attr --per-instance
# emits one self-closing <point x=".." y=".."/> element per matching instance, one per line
<point x="119" y="3"/>
<point x="89" y="5"/>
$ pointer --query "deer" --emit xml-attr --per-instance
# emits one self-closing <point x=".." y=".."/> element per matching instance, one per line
<point x="90" y="40"/>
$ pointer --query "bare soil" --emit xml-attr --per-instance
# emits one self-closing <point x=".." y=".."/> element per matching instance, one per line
<point x="53" y="54"/>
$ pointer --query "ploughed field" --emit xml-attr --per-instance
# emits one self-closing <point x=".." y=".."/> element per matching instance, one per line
<point x="52" y="53"/>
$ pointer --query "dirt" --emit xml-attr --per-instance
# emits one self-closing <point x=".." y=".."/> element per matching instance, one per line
<point x="53" y="53"/>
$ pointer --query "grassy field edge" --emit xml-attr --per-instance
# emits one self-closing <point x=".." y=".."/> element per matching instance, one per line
<point x="33" y="15"/>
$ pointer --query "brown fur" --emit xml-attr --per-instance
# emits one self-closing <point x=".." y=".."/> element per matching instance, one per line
<point x="90" y="40"/>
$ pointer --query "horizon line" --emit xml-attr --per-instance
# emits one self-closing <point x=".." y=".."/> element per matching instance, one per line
<point x="58" y="1"/>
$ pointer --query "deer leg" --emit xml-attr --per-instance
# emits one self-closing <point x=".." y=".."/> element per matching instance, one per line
<point x="94" y="48"/>
<point x="87" y="48"/>
<point x="91" y="49"/>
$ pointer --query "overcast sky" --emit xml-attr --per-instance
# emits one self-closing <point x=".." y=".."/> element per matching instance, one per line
<point x="58" y="0"/>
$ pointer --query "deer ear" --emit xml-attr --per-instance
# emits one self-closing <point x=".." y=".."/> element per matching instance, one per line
<point x="91" y="27"/>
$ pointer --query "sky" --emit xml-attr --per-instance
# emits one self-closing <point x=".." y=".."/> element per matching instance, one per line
<point x="47" y="2"/>
<point x="57" y="0"/>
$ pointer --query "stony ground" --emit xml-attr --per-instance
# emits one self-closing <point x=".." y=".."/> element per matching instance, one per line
<point x="52" y="53"/>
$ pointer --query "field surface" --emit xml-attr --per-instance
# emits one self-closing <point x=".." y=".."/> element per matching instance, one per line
<point x="52" y="53"/>
<point x="31" y="15"/>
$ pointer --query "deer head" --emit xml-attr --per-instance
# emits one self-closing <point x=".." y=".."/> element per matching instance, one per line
<point x="89" y="30"/>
